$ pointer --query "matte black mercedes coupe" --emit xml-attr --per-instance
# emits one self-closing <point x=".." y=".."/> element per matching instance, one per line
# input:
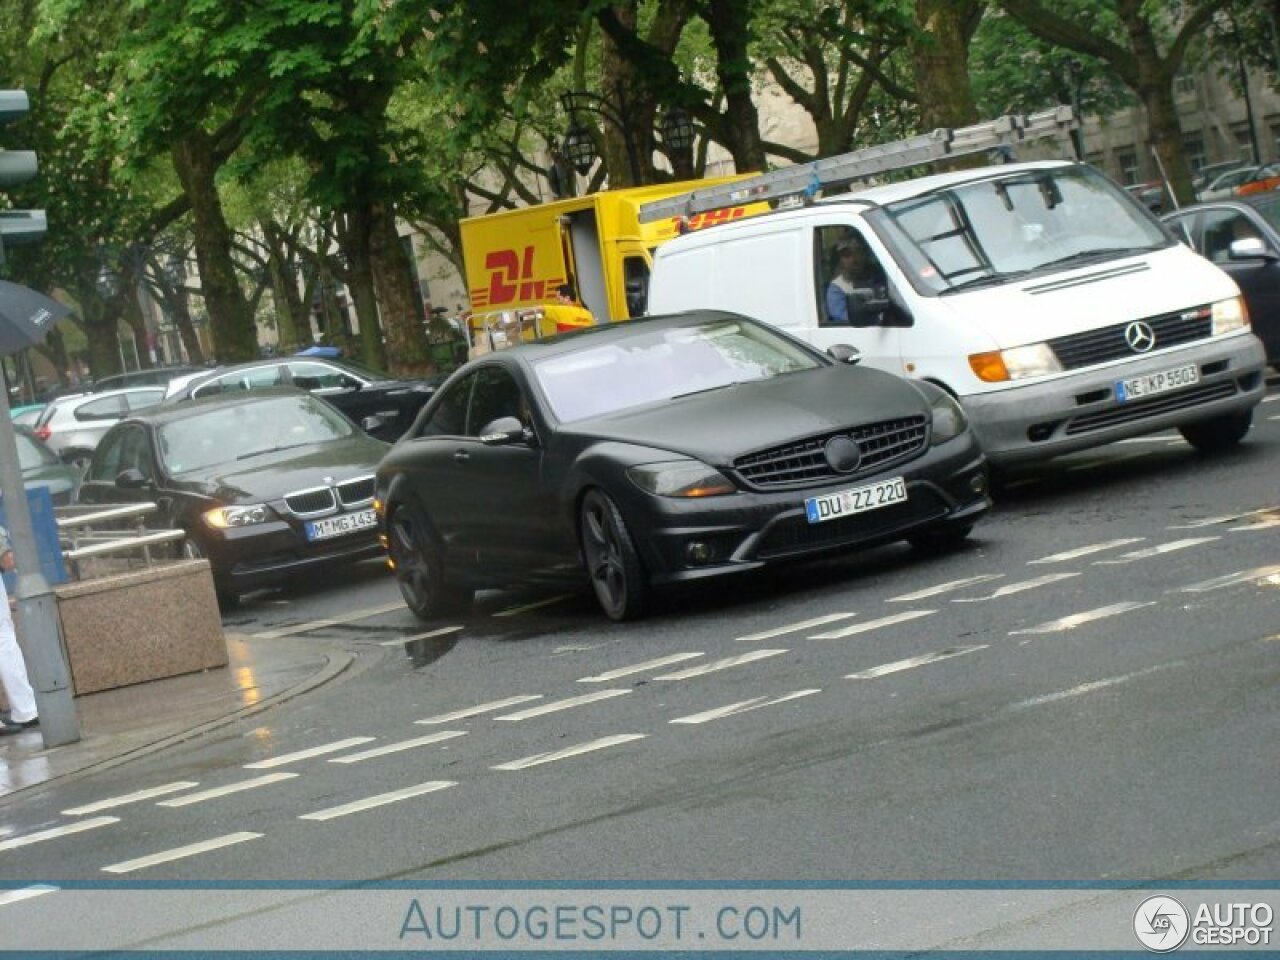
<point x="663" y="450"/>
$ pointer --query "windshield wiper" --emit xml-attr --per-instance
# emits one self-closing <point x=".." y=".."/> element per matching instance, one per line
<point x="990" y="280"/>
<point x="288" y="446"/>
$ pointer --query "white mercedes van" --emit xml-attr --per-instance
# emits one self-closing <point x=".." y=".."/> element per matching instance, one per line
<point x="1058" y="310"/>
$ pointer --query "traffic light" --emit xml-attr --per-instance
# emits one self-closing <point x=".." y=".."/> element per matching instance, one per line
<point x="17" y="227"/>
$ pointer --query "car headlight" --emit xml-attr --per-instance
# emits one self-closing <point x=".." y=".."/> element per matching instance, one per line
<point x="1230" y="315"/>
<point x="681" y="478"/>
<point x="220" y="518"/>
<point x="1032" y="360"/>
<point x="948" y="419"/>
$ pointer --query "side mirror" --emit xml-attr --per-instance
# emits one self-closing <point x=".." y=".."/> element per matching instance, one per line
<point x="132" y="479"/>
<point x="843" y="353"/>
<point x="503" y="431"/>
<point x="1248" y="248"/>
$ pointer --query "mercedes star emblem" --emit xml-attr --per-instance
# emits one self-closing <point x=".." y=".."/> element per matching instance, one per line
<point x="1139" y="336"/>
<point x="843" y="454"/>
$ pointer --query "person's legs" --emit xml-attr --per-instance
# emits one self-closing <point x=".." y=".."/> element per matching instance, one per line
<point x="13" y="668"/>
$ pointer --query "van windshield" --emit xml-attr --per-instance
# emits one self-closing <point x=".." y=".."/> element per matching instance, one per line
<point x="1026" y="222"/>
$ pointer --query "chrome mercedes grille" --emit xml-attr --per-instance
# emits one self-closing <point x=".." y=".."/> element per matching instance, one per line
<point x="804" y="461"/>
<point x="310" y="502"/>
<point x="1108" y="343"/>
<point x="357" y="492"/>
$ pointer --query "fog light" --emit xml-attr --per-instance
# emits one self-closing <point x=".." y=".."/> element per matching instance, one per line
<point x="978" y="482"/>
<point x="698" y="552"/>
<point x="391" y="564"/>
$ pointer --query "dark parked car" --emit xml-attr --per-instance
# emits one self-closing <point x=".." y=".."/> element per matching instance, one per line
<point x="380" y="404"/>
<point x="663" y="450"/>
<point x="41" y="467"/>
<point x="1242" y="236"/>
<point x="266" y="484"/>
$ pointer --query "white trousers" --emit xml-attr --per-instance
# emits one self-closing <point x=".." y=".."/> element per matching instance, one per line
<point x="13" y="668"/>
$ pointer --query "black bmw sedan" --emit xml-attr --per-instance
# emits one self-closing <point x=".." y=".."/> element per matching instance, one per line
<point x="665" y="450"/>
<point x="266" y="484"/>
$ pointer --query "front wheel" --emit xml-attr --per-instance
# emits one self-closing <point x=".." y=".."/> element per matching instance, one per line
<point x="617" y="575"/>
<point x="1219" y="434"/>
<point x="420" y="568"/>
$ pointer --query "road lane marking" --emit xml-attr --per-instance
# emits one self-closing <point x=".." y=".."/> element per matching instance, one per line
<point x="1077" y="619"/>
<point x="590" y="746"/>
<point x="54" y="832"/>
<point x="1083" y="688"/>
<point x="639" y="667"/>
<point x="944" y="588"/>
<point x="513" y="611"/>
<point x="179" y="853"/>
<point x="742" y="706"/>
<point x="1011" y="588"/>
<point x="1271" y="397"/>
<point x="715" y="665"/>
<point x="874" y="624"/>
<point x="420" y="636"/>
<point x="26" y="893"/>
<point x="912" y="662"/>
<point x="328" y="622"/>
<point x="1214" y="521"/>
<point x="1267" y="520"/>
<point x="1079" y="552"/>
<point x="399" y="746"/>
<point x="131" y="798"/>
<point x="475" y="711"/>
<point x="1154" y="438"/>
<point x="380" y="800"/>
<point x="1231" y="579"/>
<point x="307" y="754"/>
<point x="557" y="705"/>
<point x="212" y="794"/>
<point x="1156" y="551"/>
<point x="793" y="628"/>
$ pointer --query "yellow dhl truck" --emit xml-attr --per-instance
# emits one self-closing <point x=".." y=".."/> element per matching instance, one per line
<point x="517" y="260"/>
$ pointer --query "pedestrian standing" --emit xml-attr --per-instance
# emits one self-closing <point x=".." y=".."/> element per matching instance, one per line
<point x="13" y="668"/>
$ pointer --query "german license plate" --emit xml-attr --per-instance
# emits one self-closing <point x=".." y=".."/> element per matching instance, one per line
<point x="1154" y="383"/>
<point x="337" y="526"/>
<point x="856" y="500"/>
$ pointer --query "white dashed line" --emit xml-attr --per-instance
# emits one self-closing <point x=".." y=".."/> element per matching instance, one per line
<point x="540" y="758"/>
<point x="1155" y="438"/>
<point x="131" y="798"/>
<point x="639" y="668"/>
<point x="213" y="794"/>
<point x="1079" y="552"/>
<point x="180" y="853"/>
<point x="1231" y="579"/>
<point x="380" y="800"/>
<point x="874" y="624"/>
<point x="1083" y="688"/>
<point x="558" y="705"/>
<point x="399" y="746"/>
<point x="443" y="631"/>
<point x="1011" y="588"/>
<point x="1214" y="521"/>
<point x="912" y="662"/>
<point x="1077" y="619"/>
<point x="307" y="754"/>
<point x="1156" y="551"/>
<point x="26" y="893"/>
<point x="475" y="711"/>
<point x="944" y="588"/>
<point x="793" y="628"/>
<point x="743" y="706"/>
<point x="716" y="665"/>
<point x="513" y="611"/>
<point x="1267" y="520"/>
<point x="54" y="832"/>
<point x="1270" y="398"/>
<point x="328" y="622"/>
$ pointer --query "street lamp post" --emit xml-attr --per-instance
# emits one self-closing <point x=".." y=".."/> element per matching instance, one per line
<point x="580" y="145"/>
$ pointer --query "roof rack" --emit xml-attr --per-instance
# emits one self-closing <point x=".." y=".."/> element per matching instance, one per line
<point x="807" y="178"/>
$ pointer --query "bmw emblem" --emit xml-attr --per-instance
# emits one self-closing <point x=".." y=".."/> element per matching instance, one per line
<point x="843" y="454"/>
<point x="1139" y="336"/>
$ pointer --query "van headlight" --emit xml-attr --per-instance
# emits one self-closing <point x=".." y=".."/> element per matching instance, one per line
<point x="1229" y="315"/>
<point x="246" y="515"/>
<point x="1016" y="363"/>
<point x="948" y="419"/>
<point x="681" y="478"/>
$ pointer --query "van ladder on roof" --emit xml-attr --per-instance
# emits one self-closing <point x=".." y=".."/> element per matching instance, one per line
<point x="807" y="178"/>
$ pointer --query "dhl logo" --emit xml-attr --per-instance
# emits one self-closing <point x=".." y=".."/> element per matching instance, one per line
<point x="511" y="280"/>
<point x="709" y="219"/>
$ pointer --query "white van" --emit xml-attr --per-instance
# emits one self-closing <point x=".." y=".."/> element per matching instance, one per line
<point x="1059" y="312"/>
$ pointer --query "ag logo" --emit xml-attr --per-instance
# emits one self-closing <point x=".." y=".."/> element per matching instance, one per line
<point x="1161" y="924"/>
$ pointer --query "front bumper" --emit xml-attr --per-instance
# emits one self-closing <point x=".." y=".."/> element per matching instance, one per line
<point x="1078" y="410"/>
<point x="266" y="554"/>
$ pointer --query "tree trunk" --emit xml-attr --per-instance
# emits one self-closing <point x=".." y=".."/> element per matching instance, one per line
<point x="291" y="313"/>
<point x="729" y="22"/>
<point x="357" y="245"/>
<point x="940" y="62"/>
<point x="629" y="111"/>
<point x="398" y="297"/>
<point x="235" y="335"/>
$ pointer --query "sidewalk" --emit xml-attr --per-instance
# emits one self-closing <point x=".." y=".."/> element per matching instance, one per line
<point x="118" y="725"/>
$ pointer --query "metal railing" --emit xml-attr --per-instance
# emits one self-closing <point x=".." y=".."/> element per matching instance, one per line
<point x="83" y="540"/>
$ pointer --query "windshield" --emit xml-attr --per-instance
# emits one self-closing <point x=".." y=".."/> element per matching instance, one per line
<point x="1026" y="222"/>
<point x="665" y="362"/>
<point x="225" y="434"/>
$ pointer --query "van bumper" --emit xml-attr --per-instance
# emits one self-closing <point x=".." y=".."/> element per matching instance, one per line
<point x="1080" y="410"/>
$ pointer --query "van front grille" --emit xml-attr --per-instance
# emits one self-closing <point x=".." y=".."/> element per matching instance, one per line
<point x="1109" y="343"/>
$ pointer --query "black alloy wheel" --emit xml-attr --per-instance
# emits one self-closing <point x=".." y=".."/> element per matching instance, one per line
<point x="617" y="575"/>
<point x="419" y="569"/>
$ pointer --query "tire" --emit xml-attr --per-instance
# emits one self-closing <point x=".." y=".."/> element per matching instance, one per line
<point x="420" y="568"/>
<point x="617" y="576"/>
<point x="193" y="549"/>
<point x="940" y="539"/>
<point x="1219" y="434"/>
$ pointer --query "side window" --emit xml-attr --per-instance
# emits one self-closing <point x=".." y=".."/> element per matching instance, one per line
<point x="843" y="262"/>
<point x="449" y="418"/>
<point x="253" y="379"/>
<point x="105" y="466"/>
<point x="142" y="399"/>
<point x="320" y="376"/>
<point x="1221" y="229"/>
<point x="496" y="395"/>
<point x="1181" y="227"/>
<point x="635" y="274"/>
<point x="108" y="408"/>
<point x="135" y="452"/>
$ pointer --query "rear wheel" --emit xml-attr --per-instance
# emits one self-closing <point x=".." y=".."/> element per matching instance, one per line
<point x="1219" y="434"/>
<point x="617" y="575"/>
<point x="940" y="539"/>
<point x="420" y="568"/>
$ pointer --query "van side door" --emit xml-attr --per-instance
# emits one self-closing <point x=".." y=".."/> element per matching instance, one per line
<point x="854" y="295"/>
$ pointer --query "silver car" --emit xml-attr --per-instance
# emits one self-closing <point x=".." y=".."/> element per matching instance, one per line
<point x="71" y="426"/>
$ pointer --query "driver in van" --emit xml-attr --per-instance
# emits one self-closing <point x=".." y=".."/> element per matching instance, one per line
<point x="855" y="268"/>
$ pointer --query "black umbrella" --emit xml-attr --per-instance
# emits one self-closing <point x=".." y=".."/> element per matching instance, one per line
<point x="26" y="317"/>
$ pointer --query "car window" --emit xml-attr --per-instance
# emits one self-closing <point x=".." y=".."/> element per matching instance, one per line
<point x="449" y="417"/>
<point x="32" y="454"/>
<point x="105" y="466"/>
<point x="309" y="375"/>
<point x="135" y="452"/>
<point x="141" y="399"/>
<point x="255" y="378"/>
<point x="106" y="408"/>
<point x="496" y="394"/>
<point x="1220" y="229"/>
